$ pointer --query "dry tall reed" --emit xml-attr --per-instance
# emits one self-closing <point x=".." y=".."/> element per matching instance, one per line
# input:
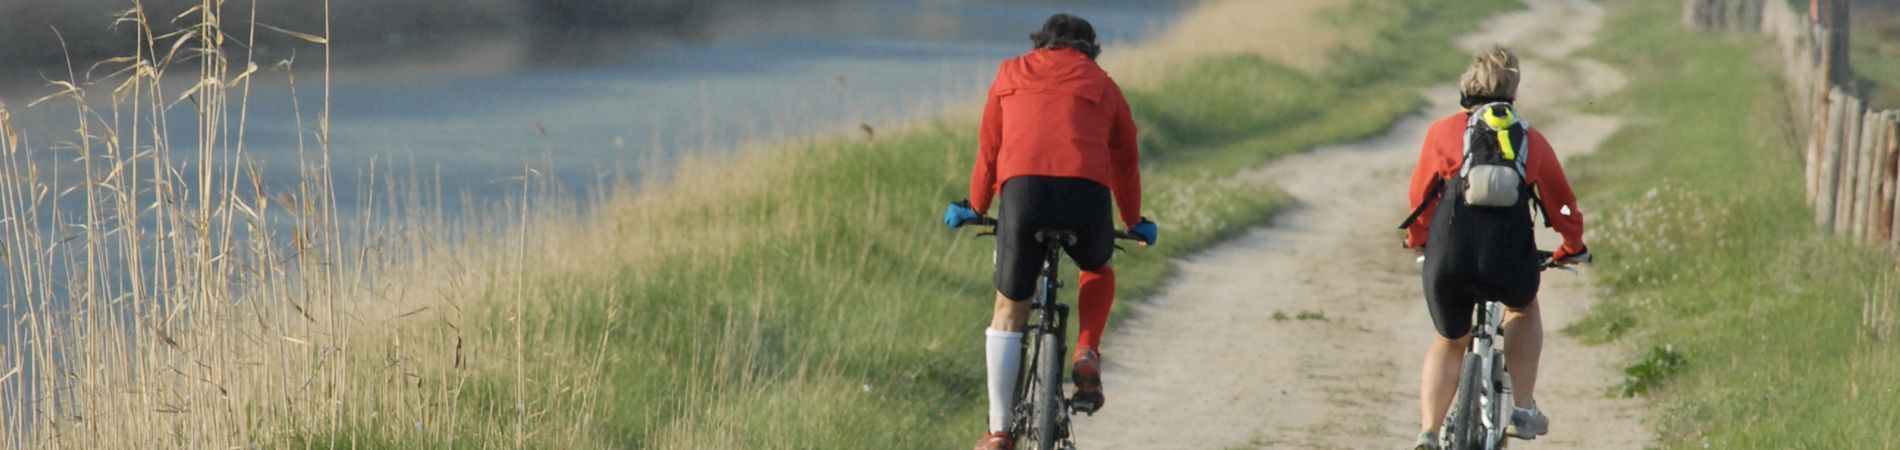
<point x="160" y="292"/>
<point x="165" y="296"/>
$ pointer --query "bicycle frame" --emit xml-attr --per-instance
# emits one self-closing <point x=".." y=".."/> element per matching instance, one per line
<point x="1494" y="402"/>
<point x="1481" y="408"/>
<point x="1497" y="405"/>
<point x="1045" y="346"/>
<point x="1049" y="322"/>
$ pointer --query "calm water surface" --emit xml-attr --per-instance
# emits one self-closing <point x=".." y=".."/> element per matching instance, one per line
<point x="472" y="113"/>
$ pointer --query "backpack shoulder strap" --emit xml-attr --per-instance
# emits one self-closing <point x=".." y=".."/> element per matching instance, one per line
<point x="1430" y="197"/>
<point x="1519" y="148"/>
<point x="1523" y="148"/>
<point x="1473" y="124"/>
<point x="1537" y="203"/>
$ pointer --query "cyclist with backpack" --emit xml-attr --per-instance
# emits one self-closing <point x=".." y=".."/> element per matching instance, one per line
<point x="1480" y="173"/>
<point x="1057" y="139"/>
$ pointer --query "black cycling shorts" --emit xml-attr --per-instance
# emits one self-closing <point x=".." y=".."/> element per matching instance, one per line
<point x="1478" y="254"/>
<point x="1034" y="203"/>
<point x="1452" y="295"/>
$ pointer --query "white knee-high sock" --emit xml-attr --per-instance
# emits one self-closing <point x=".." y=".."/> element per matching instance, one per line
<point x="1004" y="352"/>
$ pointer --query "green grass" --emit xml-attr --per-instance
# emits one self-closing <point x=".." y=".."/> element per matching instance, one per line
<point x="1875" y="54"/>
<point x="1752" y="326"/>
<point x="821" y="305"/>
<point x="1236" y="112"/>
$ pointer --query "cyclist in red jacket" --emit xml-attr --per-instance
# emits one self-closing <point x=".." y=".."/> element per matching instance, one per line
<point x="1058" y="141"/>
<point x="1476" y="253"/>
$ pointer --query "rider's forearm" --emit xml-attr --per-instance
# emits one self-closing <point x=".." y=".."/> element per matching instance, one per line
<point x="1128" y="203"/>
<point x="1559" y="201"/>
<point x="1124" y="148"/>
<point x="989" y="142"/>
<point x="982" y="190"/>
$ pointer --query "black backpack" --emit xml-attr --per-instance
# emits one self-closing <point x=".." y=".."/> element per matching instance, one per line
<point x="1492" y="175"/>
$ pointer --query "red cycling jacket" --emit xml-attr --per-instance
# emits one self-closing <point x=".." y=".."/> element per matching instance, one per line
<point x="1442" y="155"/>
<point x="1053" y="112"/>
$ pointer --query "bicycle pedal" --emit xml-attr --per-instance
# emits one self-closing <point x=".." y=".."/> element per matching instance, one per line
<point x="1085" y="404"/>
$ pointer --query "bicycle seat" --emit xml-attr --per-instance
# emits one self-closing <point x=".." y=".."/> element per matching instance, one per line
<point x="1065" y="237"/>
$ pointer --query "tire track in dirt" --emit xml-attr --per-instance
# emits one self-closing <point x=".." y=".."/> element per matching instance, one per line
<point x="1205" y="364"/>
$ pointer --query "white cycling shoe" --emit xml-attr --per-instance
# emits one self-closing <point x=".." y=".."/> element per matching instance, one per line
<point x="1427" y="440"/>
<point x="1528" y="424"/>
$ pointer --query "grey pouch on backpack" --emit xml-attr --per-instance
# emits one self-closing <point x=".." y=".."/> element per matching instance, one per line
<point x="1492" y="185"/>
<point x="1494" y="156"/>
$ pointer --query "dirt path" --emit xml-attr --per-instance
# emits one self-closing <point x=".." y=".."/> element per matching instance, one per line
<point x="1205" y="365"/>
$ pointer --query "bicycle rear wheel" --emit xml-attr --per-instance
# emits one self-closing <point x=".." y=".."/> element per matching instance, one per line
<point x="1463" y="427"/>
<point x="1048" y="392"/>
<point x="1499" y="405"/>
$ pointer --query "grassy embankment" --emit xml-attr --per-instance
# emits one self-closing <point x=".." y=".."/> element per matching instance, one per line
<point x="807" y="297"/>
<point x="795" y="297"/>
<point x="1755" y="329"/>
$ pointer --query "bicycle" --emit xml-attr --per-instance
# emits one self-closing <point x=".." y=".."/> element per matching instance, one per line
<point x="1481" y="408"/>
<point x="1042" y="415"/>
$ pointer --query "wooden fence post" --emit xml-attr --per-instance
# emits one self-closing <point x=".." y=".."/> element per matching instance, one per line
<point x="1830" y="103"/>
<point x="1878" y="172"/>
<point x="1889" y="176"/>
<point x="1824" y="106"/>
<point x="1830" y="160"/>
<point x="1751" y="20"/>
<point x="1869" y="137"/>
<point x="1872" y="137"/>
<point x="1839" y="71"/>
<point x="1690" y="8"/>
<point x="1850" y="144"/>
<point x="1850" y="174"/>
<point x="1724" y="15"/>
<point x="1892" y="204"/>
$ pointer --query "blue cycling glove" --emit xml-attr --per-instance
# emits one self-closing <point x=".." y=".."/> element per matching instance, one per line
<point x="958" y="213"/>
<point x="1146" y="230"/>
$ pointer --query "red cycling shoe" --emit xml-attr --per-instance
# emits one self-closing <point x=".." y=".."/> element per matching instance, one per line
<point x="996" y="441"/>
<point x="1087" y="377"/>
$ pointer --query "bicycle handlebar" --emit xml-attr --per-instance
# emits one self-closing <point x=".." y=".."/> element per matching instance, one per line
<point x="987" y="221"/>
<point x="1549" y="262"/>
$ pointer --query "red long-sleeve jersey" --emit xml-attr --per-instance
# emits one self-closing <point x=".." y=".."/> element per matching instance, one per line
<point x="1442" y="155"/>
<point x="1054" y="112"/>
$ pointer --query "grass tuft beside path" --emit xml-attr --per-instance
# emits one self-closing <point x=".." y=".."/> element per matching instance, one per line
<point x="1752" y="329"/>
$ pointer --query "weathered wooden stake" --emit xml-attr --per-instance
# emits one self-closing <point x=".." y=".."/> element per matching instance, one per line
<point x="1864" y="171"/>
<point x="1893" y="177"/>
<point x="1889" y="176"/>
<point x="1850" y="175"/>
<point x="1872" y="137"/>
<point x="1830" y="175"/>
<point x="1839" y="71"/>
<point x="1850" y="141"/>
<point x="1817" y="141"/>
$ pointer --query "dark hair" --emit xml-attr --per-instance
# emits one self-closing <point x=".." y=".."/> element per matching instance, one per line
<point x="1063" y="30"/>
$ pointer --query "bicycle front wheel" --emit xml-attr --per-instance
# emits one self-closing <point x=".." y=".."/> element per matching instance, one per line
<point x="1048" y="392"/>
<point x="1463" y="425"/>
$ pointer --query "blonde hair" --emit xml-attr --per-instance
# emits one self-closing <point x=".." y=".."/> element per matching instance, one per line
<point x="1493" y="73"/>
